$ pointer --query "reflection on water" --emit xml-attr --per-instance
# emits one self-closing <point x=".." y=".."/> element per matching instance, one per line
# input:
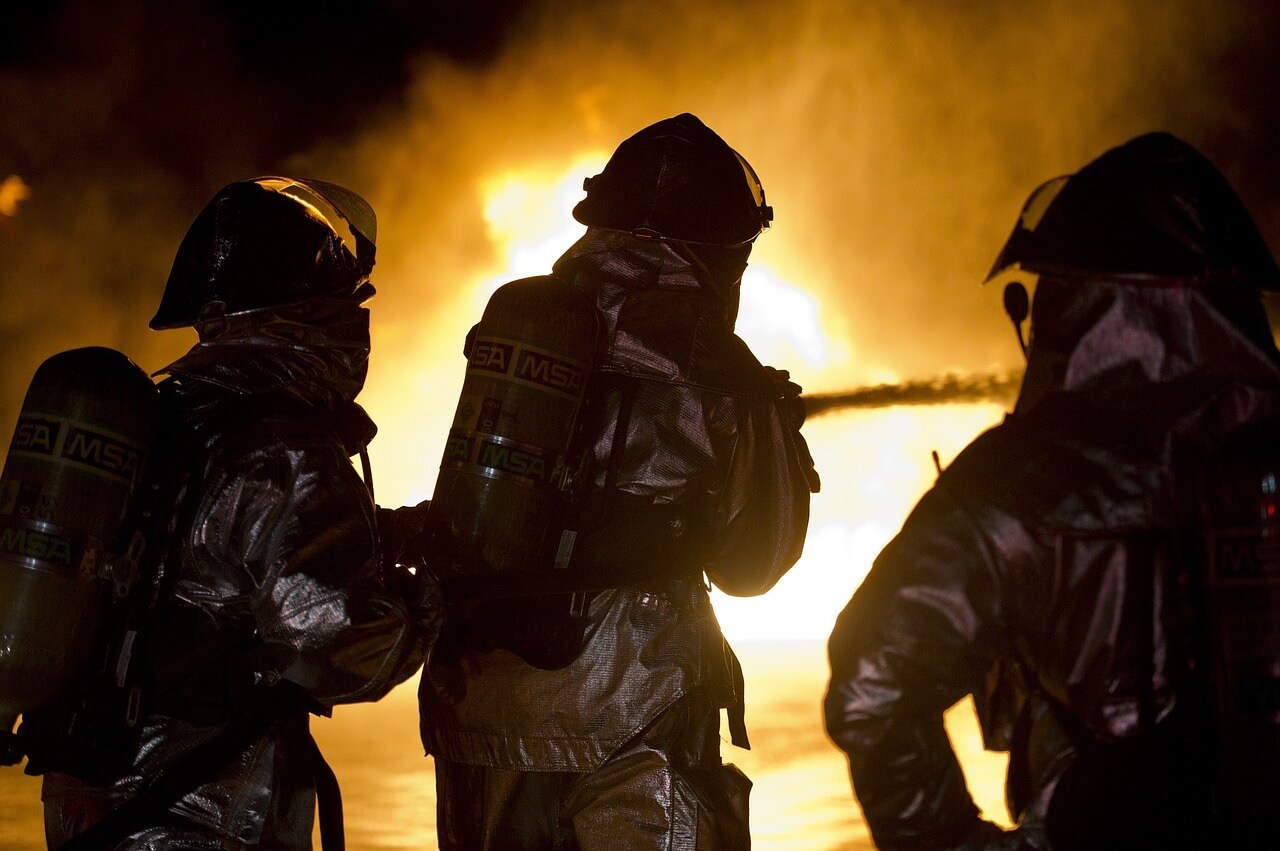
<point x="800" y="802"/>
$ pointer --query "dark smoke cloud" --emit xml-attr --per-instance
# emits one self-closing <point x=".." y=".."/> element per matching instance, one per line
<point x="897" y="140"/>
<point x="124" y="118"/>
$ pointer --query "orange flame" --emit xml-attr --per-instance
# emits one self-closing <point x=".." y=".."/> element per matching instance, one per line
<point x="12" y="192"/>
<point x="875" y="464"/>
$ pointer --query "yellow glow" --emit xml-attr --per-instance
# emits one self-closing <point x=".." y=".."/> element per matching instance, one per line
<point x="875" y="464"/>
<point x="529" y="216"/>
<point x="782" y="323"/>
<point x="529" y="222"/>
<point x="12" y="192"/>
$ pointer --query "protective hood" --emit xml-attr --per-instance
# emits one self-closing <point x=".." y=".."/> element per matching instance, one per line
<point x="612" y="263"/>
<point x="668" y="310"/>
<point x="1146" y="349"/>
<point x="316" y="352"/>
<point x="1148" y="297"/>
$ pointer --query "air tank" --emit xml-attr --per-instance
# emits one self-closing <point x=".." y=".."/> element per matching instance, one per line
<point x="504" y="464"/>
<point x="74" y="463"/>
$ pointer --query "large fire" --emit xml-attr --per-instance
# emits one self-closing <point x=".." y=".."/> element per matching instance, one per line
<point x="897" y="142"/>
<point x="529" y="218"/>
<point x="874" y="463"/>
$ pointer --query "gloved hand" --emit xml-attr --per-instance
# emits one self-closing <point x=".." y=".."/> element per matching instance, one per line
<point x="399" y="534"/>
<point x="806" y="461"/>
<point x="11" y="751"/>
<point x="791" y="405"/>
<point x="401" y="561"/>
<point x="427" y="603"/>
<point x="988" y="836"/>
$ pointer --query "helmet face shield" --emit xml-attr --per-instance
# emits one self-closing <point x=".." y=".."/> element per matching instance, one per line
<point x="757" y="191"/>
<point x="347" y="214"/>
<point x="270" y="242"/>
<point x="1015" y="250"/>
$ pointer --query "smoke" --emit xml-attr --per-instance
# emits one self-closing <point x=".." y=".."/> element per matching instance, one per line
<point x="123" y="119"/>
<point x="896" y="141"/>
<point x="945" y="390"/>
<point x="116" y="126"/>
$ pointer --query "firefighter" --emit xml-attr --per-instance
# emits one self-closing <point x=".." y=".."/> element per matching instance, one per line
<point x="270" y="598"/>
<point x="589" y="719"/>
<point x="1095" y="570"/>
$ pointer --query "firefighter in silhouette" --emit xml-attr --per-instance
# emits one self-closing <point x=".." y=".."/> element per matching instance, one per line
<point x="269" y="601"/>
<point x="575" y="703"/>
<point x="1099" y="570"/>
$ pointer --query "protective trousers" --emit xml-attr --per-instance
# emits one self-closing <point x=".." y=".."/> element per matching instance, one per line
<point x="666" y="808"/>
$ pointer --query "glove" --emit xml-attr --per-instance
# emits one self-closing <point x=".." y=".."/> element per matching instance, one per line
<point x="401" y="564"/>
<point x="790" y="403"/>
<point x="398" y="532"/>
<point x="988" y="836"/>
<point x="11" y="751"/>
<point x="791" y="406"/>
<point x="806" y="463"/>
<point x="427" y="603"/>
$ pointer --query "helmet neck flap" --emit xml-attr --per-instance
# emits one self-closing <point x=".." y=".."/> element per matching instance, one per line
<point x="1128" y="343"/>
<point x="316" y="352"/>
<point x="610" y="263"/>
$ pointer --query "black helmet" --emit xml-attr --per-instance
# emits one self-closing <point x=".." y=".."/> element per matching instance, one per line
<point x="1153" y="208"/>
<point x="269" y="242"/>
<point x="677" y="180"/>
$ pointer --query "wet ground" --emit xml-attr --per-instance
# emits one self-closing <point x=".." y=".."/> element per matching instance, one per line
<point x="801" y="799"/>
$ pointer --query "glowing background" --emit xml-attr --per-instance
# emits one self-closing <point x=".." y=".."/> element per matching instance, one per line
<point x="895" y="138"/>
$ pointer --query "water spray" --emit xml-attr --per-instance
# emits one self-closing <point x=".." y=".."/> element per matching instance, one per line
<point x="943" y="390"/>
